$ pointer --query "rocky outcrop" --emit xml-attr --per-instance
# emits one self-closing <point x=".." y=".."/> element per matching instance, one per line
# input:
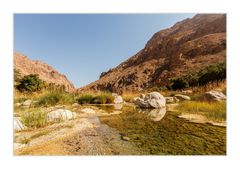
<point x="25" y="66"/>
<point x="214" y="95"/>
<point x="61" y="114"/>
<point x="188" y="46"/>
<point x="151" y="100"/>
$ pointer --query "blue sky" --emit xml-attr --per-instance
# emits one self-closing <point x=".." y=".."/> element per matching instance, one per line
<point x="81" y="46"/>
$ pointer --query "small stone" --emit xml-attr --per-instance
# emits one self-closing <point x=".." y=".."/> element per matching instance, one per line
<point x="125" y="138"/>
<point x="27" y="104"/>
<point x="182" y="97"/>
<point x="75" y="104"/>
<point x="88" y="111"/>
<point x="18" y="104"/>
<point x="214" y="95"/>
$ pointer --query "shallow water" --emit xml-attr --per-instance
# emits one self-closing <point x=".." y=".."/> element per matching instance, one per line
<point x="162" y="132"/>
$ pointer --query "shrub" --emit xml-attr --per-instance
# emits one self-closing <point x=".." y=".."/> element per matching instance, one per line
<point x="212" y="73"/>
<point x="102" y="98"/>
<point x="35" y="119"/>
<point x="85" y="99"/>
<point x="53" y="98"/>
<point x="179" y="84"/>
<point x="30" y="83"/>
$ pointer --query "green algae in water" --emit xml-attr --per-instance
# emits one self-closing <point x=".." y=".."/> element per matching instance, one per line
<point x="170" y="136"/>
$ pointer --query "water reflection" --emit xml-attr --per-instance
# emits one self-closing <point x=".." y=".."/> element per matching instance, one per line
<point x="118" y="106"/>
<point x="155" y="114"/>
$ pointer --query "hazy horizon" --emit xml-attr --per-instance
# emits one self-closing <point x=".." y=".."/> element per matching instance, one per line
<point x="81" y="46"/>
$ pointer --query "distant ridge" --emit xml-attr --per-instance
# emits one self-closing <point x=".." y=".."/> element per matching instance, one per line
<point x="26" y="66"/>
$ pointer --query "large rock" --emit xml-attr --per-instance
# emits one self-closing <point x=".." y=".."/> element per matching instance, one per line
<point x="182" y="97"/>
<point x="117" y="99"/>
<point x="151" y="100"/>
<point x="18" y="125"/>
<point x="61" y="114"/>
<point x="214" y="95"/>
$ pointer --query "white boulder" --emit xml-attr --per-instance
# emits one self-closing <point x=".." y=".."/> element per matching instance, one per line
<point x="117" y="99"/>
<point x="151" y="100"/>
<point x="18" y="125"/>
<point x="61" y="114"/>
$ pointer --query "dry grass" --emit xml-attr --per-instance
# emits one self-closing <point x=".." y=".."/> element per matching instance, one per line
<point x="34" y="119"/>
<point x="128" y="96"/>
<point x="215" y="111"/>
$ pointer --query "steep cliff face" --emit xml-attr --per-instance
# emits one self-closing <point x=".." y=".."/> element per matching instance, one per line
<point x="189" y="45"/>
<point x="26" y="66"/>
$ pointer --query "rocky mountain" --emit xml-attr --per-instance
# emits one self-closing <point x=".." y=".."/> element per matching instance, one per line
<point x="187" y="46"/>
<point x="25" y="66"/>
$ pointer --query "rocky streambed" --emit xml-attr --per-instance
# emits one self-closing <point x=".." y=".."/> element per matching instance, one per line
<point x="151" y="127"/>
<point x="128" y="131"/>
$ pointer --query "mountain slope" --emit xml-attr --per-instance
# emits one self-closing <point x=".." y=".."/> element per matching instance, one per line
<point x="189" y="45"/>
<point x="26" y="66"/>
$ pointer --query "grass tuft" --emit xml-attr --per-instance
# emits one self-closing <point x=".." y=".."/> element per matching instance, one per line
<point x="215" y="110"/>
<point x="36" y="119"/>
<point x="100" y="98"/>
<point x="53" y="98"/>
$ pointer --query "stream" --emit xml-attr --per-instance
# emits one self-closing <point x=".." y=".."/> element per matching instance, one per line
<point x="159" y="132"/>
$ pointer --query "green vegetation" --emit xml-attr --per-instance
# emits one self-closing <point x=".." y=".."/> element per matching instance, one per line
<point x="30" y="83"/>
<point x="102" y="98"/>
<point x="179" y="84"/>
<point x="85" y="99"/>
<point x="54" y="98"/>
<point x="170" y="136"/>
<point x="215" y="111"/>
<point x="35" y="119"/>
<point x="17" y="77"/>
<point x="212" y="73"/>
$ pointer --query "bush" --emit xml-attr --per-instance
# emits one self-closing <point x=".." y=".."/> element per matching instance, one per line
<point x="35" y="119"/>
<point x="103" y="98"/>
<point x="179" y="84"/>
<point x="212" y="73"/>
<point x="30" y="83"/>
<point x="53" y="98"/>
<point x="85" y="99"/>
